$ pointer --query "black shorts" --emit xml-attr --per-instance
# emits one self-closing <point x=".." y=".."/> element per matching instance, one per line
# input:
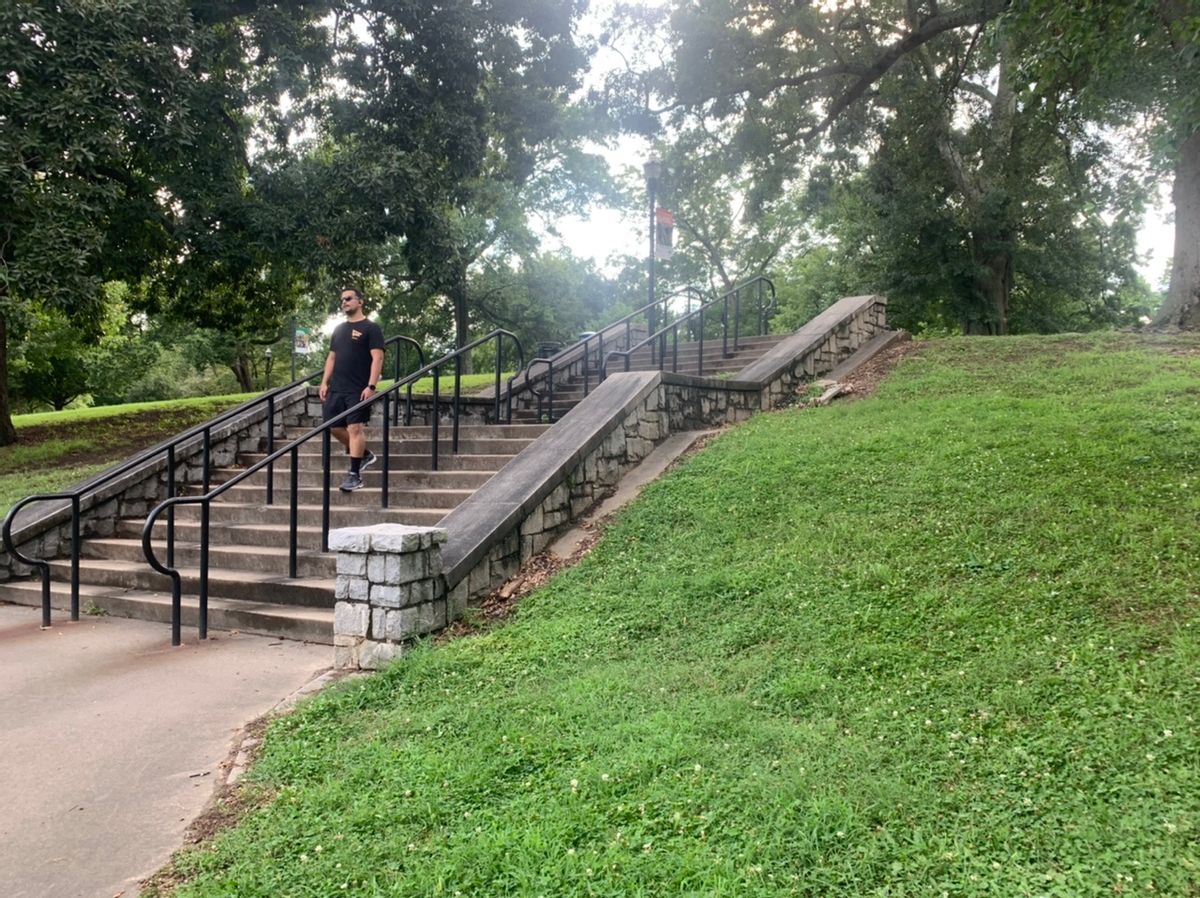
<point x="336" y="403"/>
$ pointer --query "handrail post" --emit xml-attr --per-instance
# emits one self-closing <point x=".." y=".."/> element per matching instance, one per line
<point x="725" y="327"/>
<point x="75" y="556"/>
<point x="675" y="347"/>
<point x="325" y="490"/>
<point x="176" y="608"/>
<point x="457" y="393"/>
<point x="171" y="508"/>
<point x="293" y="519"/>
<point x="433" y="424"/>
<point x="496" y="413"/>
<point x="45" y="569"/>
<point x="387" y="452"/>
<point x="204" y="474"/>
<point x="586" y="366"/>
<point x="700" y="349"/>
<point x="205" y="511"/>
<point x="737" y="316"/>
<point x="270" y="449"/>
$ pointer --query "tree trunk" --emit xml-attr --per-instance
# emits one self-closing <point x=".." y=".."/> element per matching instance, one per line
<point x="1181" y="309"/>
<point x="462" y="325"/>
<point x="993" y="289"/>
<point x="245" y="378"/>
<point x="8" y="433"/>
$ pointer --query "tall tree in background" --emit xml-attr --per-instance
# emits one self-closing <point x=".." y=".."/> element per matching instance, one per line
<point x="123" y="154"/>
<point x="442" y="119"/>
<point x="92" y="95"/>
<point x="1136" y="65"/>
<point x="804" y="80"/>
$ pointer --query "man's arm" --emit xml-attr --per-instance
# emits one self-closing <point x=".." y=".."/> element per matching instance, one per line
<point x="324" y="390"/>
<point x="376" y="371"/>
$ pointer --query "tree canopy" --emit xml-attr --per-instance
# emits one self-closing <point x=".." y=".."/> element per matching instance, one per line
<point x="986" y="163"/>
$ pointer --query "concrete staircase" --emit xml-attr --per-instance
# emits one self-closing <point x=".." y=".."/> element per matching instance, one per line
<point x="569" y="389"/>
<point x="249" y="587"/>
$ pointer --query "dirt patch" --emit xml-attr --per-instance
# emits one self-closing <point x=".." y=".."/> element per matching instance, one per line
<point x="866" y="378"/>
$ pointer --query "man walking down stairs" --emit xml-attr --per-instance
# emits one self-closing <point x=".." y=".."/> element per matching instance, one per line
<point x="351" y="376"/>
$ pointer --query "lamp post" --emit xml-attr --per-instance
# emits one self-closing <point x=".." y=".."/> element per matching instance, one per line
<point x="270" y="359"/>
<point x="652" y="168"/>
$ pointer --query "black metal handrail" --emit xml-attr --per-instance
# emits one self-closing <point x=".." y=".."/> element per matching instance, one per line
<point x="397" y="340"/>
<point x="658" y="341"/>
<point x="292" y="449"/>
<point x="171" y="447"/>
<point x="75" y="497"/>
<point x="583" y="349"/>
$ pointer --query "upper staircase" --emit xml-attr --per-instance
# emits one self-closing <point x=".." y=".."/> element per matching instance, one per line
<point x="548" y="402"/>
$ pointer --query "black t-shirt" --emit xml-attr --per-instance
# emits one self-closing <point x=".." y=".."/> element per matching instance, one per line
<point x="351" y="346"/>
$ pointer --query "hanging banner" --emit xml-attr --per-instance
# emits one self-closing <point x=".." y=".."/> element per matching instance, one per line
<point x="303" y="344"/>
<point x="664" y="233"/>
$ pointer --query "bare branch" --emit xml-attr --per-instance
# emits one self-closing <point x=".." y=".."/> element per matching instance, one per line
<point x="930" y="28"/>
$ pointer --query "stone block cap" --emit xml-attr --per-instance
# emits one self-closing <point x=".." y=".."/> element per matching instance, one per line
<point x="385" y="538"/>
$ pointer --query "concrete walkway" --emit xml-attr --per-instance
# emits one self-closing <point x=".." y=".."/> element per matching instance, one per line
<point x="111" y="742"/>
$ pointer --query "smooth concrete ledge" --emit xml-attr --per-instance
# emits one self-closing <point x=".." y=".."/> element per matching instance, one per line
<point x="150" y="462"/>
<point x="868" y="351"/>
<point x="781" y="357"/>
<point x="501" y="505"/>
<point x="504" y="501"/>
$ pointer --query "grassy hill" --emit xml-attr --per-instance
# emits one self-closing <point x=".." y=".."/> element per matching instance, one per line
<point x="942" y="641"/>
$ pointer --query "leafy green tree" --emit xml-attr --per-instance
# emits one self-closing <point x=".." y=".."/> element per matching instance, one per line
<point x="51" y="363"/>
<point x="1135" y="63"/>
<point x="90" y="94"/>
<point x="425" y="162"/>
<point x="939" y="89"/>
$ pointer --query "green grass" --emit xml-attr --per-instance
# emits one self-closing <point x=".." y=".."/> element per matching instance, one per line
<point x="470" y="383"/>
<point x="425" y="385"/>
<point x="78" y="415"/>
<point x="945" y="641"/>
<point x="56" y="451"/>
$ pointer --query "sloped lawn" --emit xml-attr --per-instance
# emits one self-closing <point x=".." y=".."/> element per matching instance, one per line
<point x="943" y="641"/>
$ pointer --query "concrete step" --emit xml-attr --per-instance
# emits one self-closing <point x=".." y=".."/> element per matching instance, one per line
<point x="255" y="586"/>
<point x="372" y="478"/>
<point x="308" y="538"/>
<point x="414" y="445"/>
<point x="310" y="515"/>
<point x="244" y="493"/>
<point x="423" y="432"/>
<point x="248" y="557"/>
<point x="398" y="461"/>
<point x="306" y="624"/>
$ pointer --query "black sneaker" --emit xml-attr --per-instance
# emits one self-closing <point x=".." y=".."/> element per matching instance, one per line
<point x="351" y="483"/>
<point x="368" y="460"/>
